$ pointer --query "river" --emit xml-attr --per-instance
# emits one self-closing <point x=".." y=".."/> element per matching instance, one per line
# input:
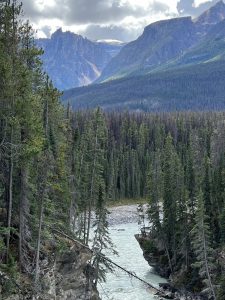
<point x="119" y="286"/>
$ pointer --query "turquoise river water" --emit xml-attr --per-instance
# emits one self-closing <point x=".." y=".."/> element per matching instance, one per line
<point x="119" y="286"/>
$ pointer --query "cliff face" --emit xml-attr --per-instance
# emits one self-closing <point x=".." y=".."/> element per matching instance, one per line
<point x="66" y="277"/>
<point x="71" y="60"/>
<point x="155" y="255"/>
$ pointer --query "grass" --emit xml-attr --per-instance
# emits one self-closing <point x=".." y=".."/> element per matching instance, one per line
<point x="126" y="201"/>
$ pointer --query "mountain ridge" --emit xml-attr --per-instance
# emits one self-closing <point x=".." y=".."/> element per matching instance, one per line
<point x="213" y="15"/>
<point x="213" y="41"/>
<point x="72" y="60"/>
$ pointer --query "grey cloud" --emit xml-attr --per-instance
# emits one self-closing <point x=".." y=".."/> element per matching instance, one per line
<point x="121" y="32"/>
<point x="158" y="7"/>
<point x="185" y="7"/>
<point x="99" y="11"/>
<point x="106" y="11"/>
<point x="83" y="11"/>
<point x="30" y="10"/>
<point x="91" y="11"/>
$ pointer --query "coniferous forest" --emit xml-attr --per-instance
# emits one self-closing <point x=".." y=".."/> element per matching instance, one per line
<point x="58" y="166"/>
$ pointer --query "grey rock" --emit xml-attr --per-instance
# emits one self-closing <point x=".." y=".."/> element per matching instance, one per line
<point x="67" y="279"/>
<point x="72" y="61"/>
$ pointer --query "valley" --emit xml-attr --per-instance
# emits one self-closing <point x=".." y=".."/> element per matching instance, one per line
<point x="112" y="150"/>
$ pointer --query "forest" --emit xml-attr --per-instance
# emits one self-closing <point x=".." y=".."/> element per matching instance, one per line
<point x="57" y="167"/>
<point x="200" y="87"/>
<point x="177" y="163"/>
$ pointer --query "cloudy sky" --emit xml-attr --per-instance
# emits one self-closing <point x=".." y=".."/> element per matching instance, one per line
<point x="106" y="19"/>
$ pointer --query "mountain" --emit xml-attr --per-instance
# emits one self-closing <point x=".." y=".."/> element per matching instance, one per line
<point x="71" y="60"/>
<point x="161" y="42"/>
<point x="193" y="80"/>
<point x="176" y="64"/>
<point x="213" y="15"/>
<point x="210" y="48"/>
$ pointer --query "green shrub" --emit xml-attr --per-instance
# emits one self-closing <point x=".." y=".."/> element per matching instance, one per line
<point x="149" y="246"/>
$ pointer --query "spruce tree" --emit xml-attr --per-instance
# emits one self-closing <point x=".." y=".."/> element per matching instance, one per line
<point x="204" y="253"/>
<point x="102" y="244"/>
<point x="155" y="186"/>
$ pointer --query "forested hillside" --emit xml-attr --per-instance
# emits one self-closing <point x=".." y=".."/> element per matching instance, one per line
<point x="199" y="87"/>
<point x="176" y="162"/>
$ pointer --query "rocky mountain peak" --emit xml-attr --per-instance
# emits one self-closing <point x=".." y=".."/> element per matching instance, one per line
<point x="59" y="34"/>
<point x="213" y="15"/>
<point x="166" y="27"/>
<point x="219" y="4"/>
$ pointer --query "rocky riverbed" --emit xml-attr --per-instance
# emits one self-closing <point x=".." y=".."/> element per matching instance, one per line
<point x="124" y="214"/>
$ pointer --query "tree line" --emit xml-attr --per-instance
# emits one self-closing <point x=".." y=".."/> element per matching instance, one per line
<point x="168" y="90"/>
<point x="176" y="162"/>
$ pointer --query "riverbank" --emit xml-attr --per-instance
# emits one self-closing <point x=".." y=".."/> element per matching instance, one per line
<point x="154" y="259"/>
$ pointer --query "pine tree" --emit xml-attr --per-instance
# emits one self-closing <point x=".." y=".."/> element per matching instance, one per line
<point x="8" y="40"/>
<point x="205" y="255"/>
<point x="96" y="159"/>
<point x="155" y="186"/>
<point x="221" y="291"/>
<point x="222" y="226"/>
<point x="102" y="243"/>
<point x="171" y="191"/>
<point x="191" y="182"/>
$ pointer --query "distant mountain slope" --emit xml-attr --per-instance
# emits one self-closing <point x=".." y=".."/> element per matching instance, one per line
<point x="161" y="42"/>
<point x="213" y="15"/>
<point x="200" y="87"/>
<point x="211" y="48"/>
<point x="72" y="61"/>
